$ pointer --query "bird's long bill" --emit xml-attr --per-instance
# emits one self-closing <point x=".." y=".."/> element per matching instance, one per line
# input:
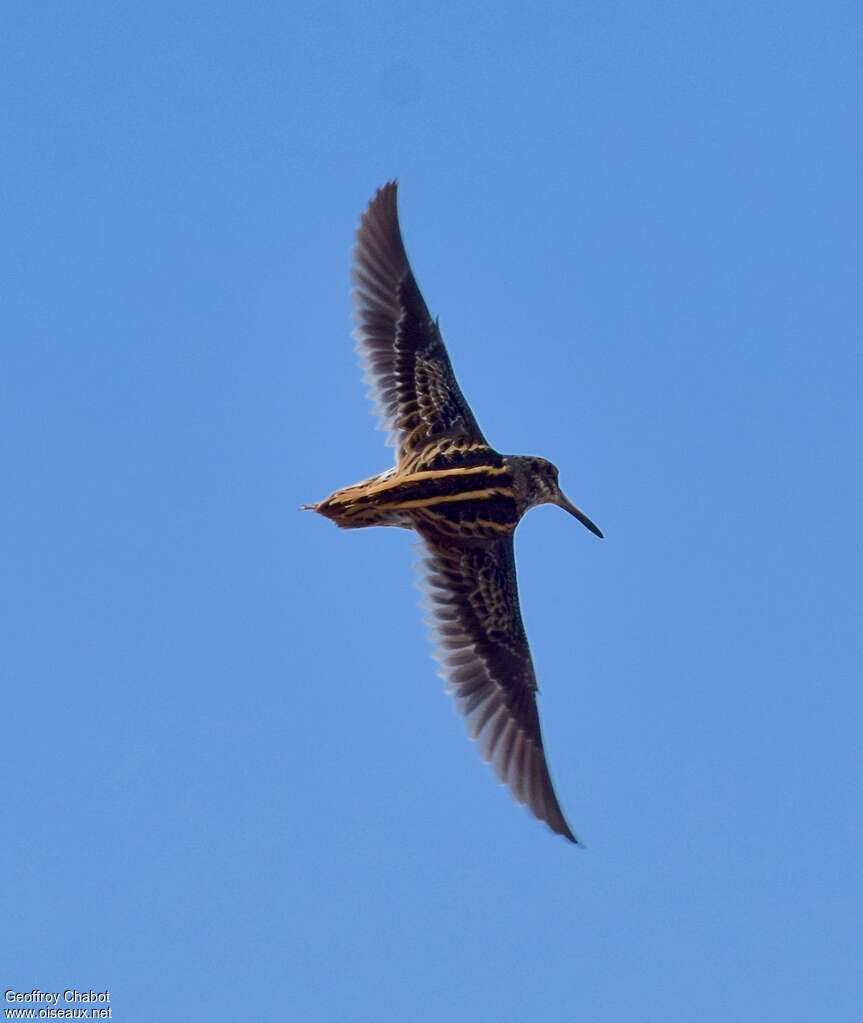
<point x="567" y="505"/>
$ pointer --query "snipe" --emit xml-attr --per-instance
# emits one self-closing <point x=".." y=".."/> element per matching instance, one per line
<point x="463" y="498"/>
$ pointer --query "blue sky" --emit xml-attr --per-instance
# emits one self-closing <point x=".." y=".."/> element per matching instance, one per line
<point x="233" y="785"/>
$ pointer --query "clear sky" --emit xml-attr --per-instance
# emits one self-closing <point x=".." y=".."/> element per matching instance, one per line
<point x="233" y="785"/>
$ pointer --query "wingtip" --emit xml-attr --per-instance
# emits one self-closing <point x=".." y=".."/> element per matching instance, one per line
<point x="379" y="218"/>
<point x="387" y="191"/>
<point x="561" y="828"/>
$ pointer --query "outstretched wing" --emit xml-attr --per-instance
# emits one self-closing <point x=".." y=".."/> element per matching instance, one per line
<point x="473" y="599"/>
<point x="407" y="365"/>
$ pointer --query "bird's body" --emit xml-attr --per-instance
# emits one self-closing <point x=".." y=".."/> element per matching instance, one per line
<point x="457" y="492"/>
<point x="463" y="498"/>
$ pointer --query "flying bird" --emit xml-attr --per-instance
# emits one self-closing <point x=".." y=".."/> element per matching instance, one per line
<point x="463" y="498"/>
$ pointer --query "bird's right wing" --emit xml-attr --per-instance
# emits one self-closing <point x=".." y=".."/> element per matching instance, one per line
<point x="406" y="363"/>
<point x="482" y="646"/>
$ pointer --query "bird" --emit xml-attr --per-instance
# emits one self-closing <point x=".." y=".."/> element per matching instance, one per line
<point x="464" y="500"/>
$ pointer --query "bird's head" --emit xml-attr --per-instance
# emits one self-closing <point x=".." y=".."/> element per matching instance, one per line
<point x="542" y="486"/>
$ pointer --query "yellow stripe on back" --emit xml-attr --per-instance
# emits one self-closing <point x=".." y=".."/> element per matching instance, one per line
<point x="428" y="502"/>
<point x="434" y="474"/>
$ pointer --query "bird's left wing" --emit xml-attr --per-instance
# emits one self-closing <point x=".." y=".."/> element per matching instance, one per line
<point x="407" y="366"/>
<point x="483" y="649"/>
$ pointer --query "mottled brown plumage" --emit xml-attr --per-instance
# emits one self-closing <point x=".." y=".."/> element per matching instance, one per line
<point x="463" y="498"/>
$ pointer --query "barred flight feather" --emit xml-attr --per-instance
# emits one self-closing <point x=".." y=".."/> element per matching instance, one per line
<point x="493" y="682"/>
